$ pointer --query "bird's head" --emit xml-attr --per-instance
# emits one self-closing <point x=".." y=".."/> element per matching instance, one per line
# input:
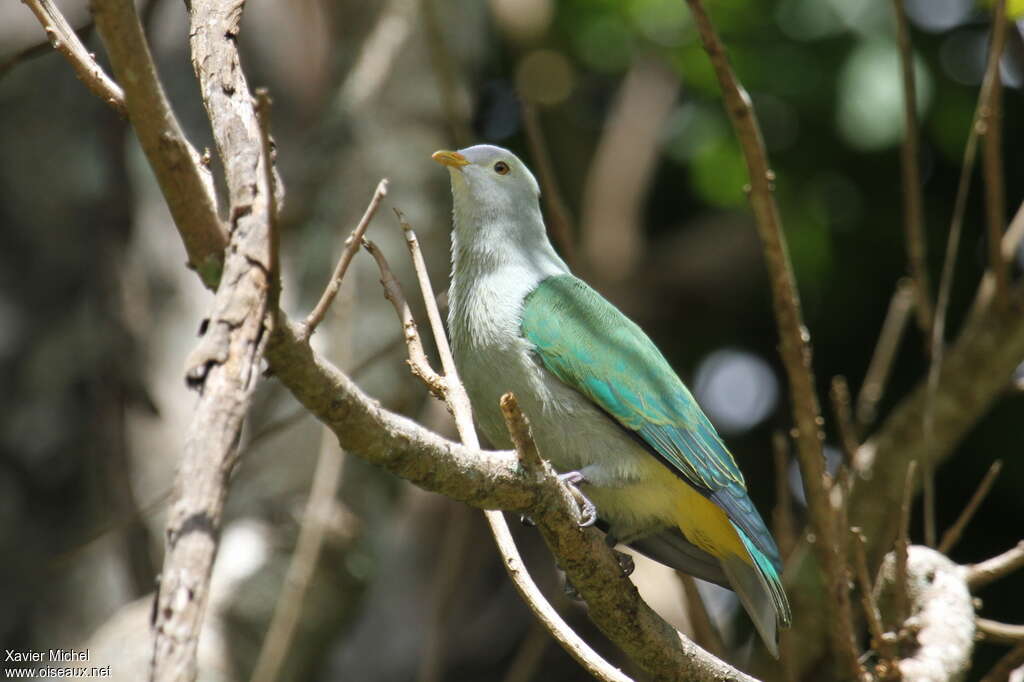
<point x="490" y="186"/>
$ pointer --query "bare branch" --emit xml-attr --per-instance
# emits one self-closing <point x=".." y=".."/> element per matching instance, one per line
<point x="952" y="535"/>
<point x="481" y="478"/>
<point x="885" y="351"/>
<point x="981" y="574"/>
<point x="901" y="606"/>
<point x="225" y="365"/>
<point x="840" y="395"/>
<point x="43" y="47"/>
<point x="182" y="174"/>
<point x="455" y="392"/>
<point x="913" y="203"/>
<point x="352" y="245"/>
<point x="974" y="373"/>
<point x="263" y="106"/>
<point x="879" y="642"/>
<point x="991" y="129"/>
<point x="418" y="362"/>
<point x="999" y="633"/>
<point x="981" y="113"/>
<point x="794" y="339"/>
<point x="65" y="40"/>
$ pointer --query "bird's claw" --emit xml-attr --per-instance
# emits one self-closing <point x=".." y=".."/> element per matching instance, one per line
<point x="588" y="512"/>
<point x="625" y="562"/>
<point x="527" y="521"/>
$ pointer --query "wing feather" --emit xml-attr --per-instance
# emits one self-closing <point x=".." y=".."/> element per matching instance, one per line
<point x="592" y="347"/>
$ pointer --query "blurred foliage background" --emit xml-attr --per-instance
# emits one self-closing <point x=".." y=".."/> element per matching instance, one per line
<point x="97" y="313"/>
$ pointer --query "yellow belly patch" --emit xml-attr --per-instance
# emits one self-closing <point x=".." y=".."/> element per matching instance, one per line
<point x="705" y="524"/>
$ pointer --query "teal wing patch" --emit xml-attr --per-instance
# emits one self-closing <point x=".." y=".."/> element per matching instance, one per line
<point x="589" y="345"/>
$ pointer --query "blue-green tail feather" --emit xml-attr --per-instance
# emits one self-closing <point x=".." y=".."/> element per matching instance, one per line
<point x="759" y="587"/>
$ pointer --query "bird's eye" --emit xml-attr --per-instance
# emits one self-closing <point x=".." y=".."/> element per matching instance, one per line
<point x="501" y="168"/>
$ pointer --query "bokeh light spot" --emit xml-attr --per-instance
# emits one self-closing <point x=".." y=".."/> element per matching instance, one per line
<point x="870" y="111"/>
<point x="737" y="389"/>
<point x="544" y="77"/>
<point x="523" y="20"/>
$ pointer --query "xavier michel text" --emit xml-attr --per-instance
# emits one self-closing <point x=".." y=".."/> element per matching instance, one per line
<point x="48" y="656"/>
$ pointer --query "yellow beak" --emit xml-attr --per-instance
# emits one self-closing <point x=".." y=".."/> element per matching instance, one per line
<point x="450" y="159"/>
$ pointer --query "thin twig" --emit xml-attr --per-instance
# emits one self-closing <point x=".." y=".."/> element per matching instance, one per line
<point x="315" y="521"/>
<point x="902" y="600"/>
<point x="519" y="431"/>
<point x="794" y="339"/>
<point x="559" y="220"/>
<point x="1007" y="664"/>
<point x="999" y="633"/>
<point x="952" y="535"/>
<point x="840" y="395"/>
<point x="352" y="245"/>
<point x="65" y="40"/>
<point x="704" y="631"/>
<point x="991" y="123"/>
<point x="418" y="362"/>
<point x="455" y="392"/>
<point x="913" y="202"/>
<point x="782" y="515"/>
<point x="981" y="112"/>
<point x="41" y="48"/>
<point x="263" y="108"/>
<point x="928" y="502"/>
<point x="1009" y="245"/>
<point x="981" y="574"/>
<point x="845" y="630"/>
<point x="885" y="352"/>
<point x="879" y="642"/>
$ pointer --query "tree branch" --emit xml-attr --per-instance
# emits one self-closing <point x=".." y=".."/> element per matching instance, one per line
<point x="794" y="339"/>
<point x="974" y="374"/>
<point x="953" y="533"/>
<point x="885" y="351"/>
<point x="990" y="125"/>
<point x="225" y="365"/>
<point x="352" y="245"/>
<point x="1000" y="633"/>
<point x="65" y="40"/>
<point x="913" y="202"/>
<point x="985" y="572"/>
<point x="182" y="174"/>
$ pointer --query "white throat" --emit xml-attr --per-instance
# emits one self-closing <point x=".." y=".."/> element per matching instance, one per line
<point x="497" y="260"/>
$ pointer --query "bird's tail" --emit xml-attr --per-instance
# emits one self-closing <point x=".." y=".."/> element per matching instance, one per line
<point x="759" y="586"/>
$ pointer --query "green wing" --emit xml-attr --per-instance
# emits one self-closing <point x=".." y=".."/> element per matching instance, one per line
<point x="589" y="345"/>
